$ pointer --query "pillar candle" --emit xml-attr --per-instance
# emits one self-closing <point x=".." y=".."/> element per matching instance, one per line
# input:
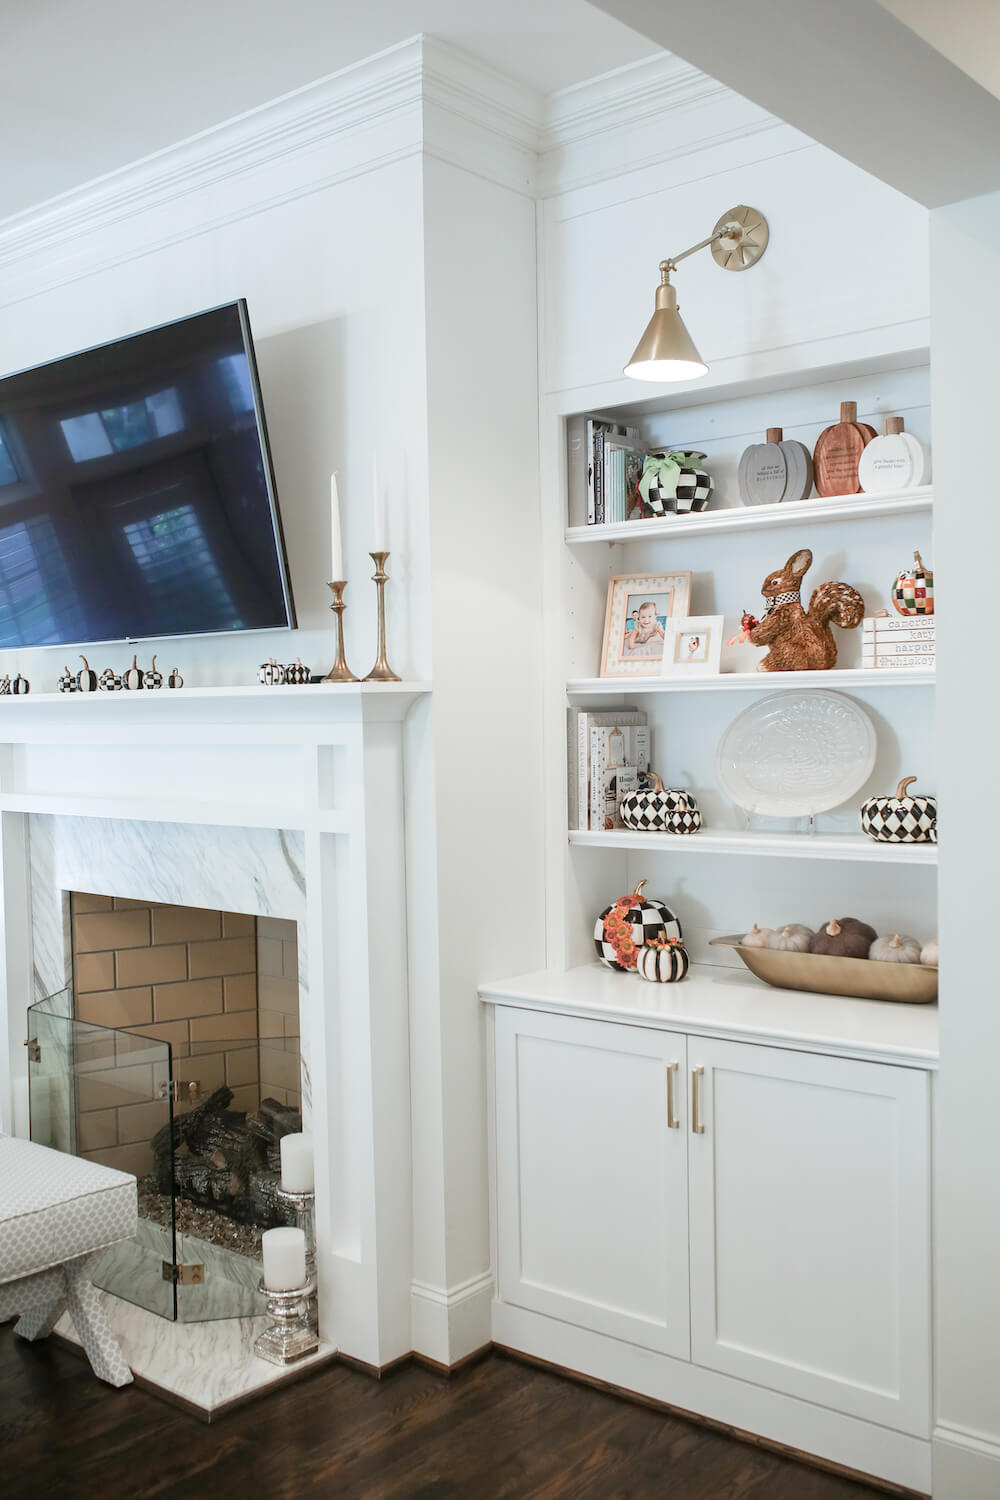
<point x="336" y="541"/>
<point x="297" y="1174"/>
<point x="379" y="503"/>
<point x="284" y="1252"/>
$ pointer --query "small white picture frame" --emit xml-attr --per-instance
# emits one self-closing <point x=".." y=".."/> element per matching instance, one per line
<point x="693" y="646"/>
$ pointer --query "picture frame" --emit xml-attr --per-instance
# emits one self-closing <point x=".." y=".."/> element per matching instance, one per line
<point x="693" y="646"/>
<point x="639" y="608"/>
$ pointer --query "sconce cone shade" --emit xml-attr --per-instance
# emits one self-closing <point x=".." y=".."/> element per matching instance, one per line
<point x="666" y="350"/>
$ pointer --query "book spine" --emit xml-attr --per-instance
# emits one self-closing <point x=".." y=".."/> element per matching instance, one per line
<point x="878" y="660"/>
<point x="920" y="627"/>
<point x="583" y="771"/>
<point x="596" y="775"/>
<point x="599" y="475"/>
<point x="591" y="475"/>
<point x="572" y="784"/>
<point x="897" y="647"/>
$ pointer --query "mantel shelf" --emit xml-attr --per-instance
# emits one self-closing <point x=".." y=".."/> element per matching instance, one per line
<point x="855" y="847"/>
<point x="759" y="517"/>
<point x="759" y="682"/>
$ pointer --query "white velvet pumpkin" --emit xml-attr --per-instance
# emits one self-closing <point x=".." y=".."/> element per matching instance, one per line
<point x="791" y="939"/>
<point x="898" y="949"/>
<point x="757" y="937"/>
<point x="929" y="954"/>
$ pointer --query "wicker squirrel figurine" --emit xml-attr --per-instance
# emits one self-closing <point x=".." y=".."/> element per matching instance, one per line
<point x="801" y="640"/>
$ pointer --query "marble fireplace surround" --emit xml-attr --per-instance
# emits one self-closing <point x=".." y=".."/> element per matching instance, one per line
<point x="285" y="802"/>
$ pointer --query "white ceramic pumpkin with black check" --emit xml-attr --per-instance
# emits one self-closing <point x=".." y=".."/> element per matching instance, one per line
<point x="659" y="809"/>
<point x="901" y="819"/>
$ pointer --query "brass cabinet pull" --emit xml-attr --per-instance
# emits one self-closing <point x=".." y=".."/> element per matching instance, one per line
<point x="696" y="1126"/>
<point x="673" y="1123"/>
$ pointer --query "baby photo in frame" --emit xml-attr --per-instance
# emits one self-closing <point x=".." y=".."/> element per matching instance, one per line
<point x="693" y="644"/>
<point x="639" y="610"/>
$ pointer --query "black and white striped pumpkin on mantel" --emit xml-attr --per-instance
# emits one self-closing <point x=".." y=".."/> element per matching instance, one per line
<point x="664" y="962"/>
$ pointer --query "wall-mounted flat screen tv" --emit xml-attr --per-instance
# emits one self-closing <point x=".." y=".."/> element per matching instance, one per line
<point x="137" y="497"/>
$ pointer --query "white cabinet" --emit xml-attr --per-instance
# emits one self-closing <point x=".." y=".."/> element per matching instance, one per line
<point x="809" y="1220"/>
<point x="794" y="1184"/>
<point x="592" y="1175"/>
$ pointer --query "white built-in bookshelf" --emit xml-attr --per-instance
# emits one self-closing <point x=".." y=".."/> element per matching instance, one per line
<point x="729" y="875"/>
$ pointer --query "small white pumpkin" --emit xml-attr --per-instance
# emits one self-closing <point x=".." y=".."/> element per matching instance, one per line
<point x="757" y="937"/>
<point x="929" y="954"/>
<point x="898" y="949"/>
<point x="795" y="938"/>
<point x="663" y="964"/>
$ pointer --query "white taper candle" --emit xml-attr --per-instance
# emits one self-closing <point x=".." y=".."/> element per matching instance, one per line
<point x="379" y="503"/>
<point x="336" y="540"/>
<point x="284" y="1252"/>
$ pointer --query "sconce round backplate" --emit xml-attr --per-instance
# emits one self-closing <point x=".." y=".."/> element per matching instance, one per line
<point x="745" y="238"/>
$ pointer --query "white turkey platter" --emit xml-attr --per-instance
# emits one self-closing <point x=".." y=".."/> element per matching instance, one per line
<point x="794" y="754"/>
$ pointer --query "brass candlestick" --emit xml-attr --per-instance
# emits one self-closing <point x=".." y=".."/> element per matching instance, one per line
<point x="340" y="671"/>
<point x="381" y="671"/>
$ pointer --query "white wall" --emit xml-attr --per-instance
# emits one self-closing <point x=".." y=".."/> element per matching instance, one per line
<point x="965" y="264"/>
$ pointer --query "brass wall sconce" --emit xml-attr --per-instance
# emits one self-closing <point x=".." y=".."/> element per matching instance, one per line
<point x="666" y="350"/>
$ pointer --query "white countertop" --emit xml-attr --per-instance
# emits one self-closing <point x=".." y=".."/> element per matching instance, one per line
<point x="729" y="1002"/>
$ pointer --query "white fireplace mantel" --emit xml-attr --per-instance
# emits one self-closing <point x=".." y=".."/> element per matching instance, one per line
<point x="284" y="800"/>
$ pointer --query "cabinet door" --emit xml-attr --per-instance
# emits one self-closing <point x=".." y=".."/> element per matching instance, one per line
<point x="810" y="1239"/>
<point x="592" y="1175"/>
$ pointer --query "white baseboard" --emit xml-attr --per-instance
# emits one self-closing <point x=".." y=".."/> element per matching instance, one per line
<point x="811" y="1429"/>
<point x="966" y="1464"/>
<point x="449" y="1323"/>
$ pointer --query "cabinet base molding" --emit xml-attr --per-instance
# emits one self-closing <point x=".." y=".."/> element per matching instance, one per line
<point x="815" y="1434"/>
<point x="966" y="1464"/>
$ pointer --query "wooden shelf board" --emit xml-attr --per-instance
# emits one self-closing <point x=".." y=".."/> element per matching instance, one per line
<point x="759" y="682"/>
<point x="854" y="847"/>
<point x="759" y="517"/>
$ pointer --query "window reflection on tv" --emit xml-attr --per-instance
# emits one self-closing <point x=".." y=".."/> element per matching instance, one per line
<point x="136" y="493"/>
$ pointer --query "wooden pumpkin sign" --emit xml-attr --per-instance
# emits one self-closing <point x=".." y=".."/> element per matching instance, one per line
<point x="626" y="927"/>
<point x="897" y="461"/>
<point x="132" y="680"/>
<point x="86" y="678"/>
<point x="838" y="452"/>
<point x="663" y="962"/>
<point x="775" y="470"/>
<point x="913" y="590"/>
<point x="901" y="819"/>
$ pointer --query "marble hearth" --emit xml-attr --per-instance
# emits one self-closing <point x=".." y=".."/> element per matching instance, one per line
<point x="284" y="804"/>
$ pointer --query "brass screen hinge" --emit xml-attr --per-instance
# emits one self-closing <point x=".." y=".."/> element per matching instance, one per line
<point x="176" y="1090"/>
<point x="34" y="1050"/>
<point x="183" y="1275"/>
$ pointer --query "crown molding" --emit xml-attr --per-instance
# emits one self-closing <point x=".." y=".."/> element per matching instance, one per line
<point x="422" y="97"/>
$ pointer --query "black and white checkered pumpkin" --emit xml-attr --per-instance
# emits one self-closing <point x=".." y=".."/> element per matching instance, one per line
<point x="659" y="809"/>
<point x="271" y="673"/>
<point x="692" y="491"/>
<point x="295" y="672"/>
<point x="67" y="682"/>
<point x="109" y="681"/>
<point x="153" y="678"/>
<point x="625" y="927"/>
<point x="86" y="678"/>
<point x="132" y="680"/>
<point x="901" y="819"/>
<point x="5" y="686"/>
<point x="663" y="963"/>
<point x="20" y="685"/>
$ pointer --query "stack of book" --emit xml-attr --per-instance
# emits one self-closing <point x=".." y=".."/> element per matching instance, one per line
<point x="897" y="641"/>
<point x="610" y="456"/>
<point x="608" y="752"/>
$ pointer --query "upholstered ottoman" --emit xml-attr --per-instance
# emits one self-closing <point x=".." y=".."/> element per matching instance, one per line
<point x="57" y="1214"/>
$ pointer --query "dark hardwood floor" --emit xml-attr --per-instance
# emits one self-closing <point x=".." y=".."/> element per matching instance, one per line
<point x="498" y="1429"/>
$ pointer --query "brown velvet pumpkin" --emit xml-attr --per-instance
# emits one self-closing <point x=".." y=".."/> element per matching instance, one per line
<point x="845" y="937"/>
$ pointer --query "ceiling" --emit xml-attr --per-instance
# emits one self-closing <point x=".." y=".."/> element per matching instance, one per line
<point x="906" y="89"/>
<point x="86" y="88"/>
